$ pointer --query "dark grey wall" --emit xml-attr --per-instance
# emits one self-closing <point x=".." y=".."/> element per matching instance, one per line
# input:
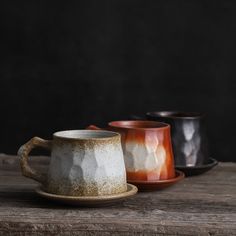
<point x="67" y="65"/>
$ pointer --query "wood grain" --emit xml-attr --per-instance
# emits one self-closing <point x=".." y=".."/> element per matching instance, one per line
<point x="200" y="205"/>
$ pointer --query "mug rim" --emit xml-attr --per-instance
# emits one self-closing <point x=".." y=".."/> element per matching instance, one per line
<point x="88" y="134"/>
<point x="191" y="115"/>
<point x="156" y="125"/>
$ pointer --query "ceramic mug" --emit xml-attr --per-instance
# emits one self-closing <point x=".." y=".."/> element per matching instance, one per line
<point x="189" y="137"/>
<point x="83" y="163"/>
<point x="147" y="149"/>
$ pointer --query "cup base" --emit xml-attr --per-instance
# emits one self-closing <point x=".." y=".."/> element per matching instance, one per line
<point x="197" y="170"/>
<point x="89" y="201"/>
<point x="144" y="186"/>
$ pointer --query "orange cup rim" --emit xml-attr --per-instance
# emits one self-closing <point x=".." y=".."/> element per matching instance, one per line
<point x="139" y="125"/>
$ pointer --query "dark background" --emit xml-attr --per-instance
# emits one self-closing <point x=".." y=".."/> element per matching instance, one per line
<point x="65" y="65"/>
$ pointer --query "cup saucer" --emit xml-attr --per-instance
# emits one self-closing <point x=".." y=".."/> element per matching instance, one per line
<point x="89" y="201"/>
<point x="197" y="170"/>
<point x="157" y="184"/>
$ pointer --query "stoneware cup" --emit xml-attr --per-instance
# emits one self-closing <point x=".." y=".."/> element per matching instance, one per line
<point x="147" y="149"/>
<point x="188" y="136"/>
<point x="83" y="163"/>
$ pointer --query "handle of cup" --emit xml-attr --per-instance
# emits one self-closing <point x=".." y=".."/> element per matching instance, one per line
<point x="93" y="127"/>
<point x="23" y="153"/>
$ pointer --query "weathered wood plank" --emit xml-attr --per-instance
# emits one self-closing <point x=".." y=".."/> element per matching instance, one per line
<point x="201" y="205"/>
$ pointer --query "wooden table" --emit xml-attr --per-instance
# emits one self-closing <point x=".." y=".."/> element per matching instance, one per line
<point x="202" y="205"/>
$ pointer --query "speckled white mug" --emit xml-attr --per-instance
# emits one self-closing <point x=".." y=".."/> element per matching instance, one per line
<point x="83" y="163"/>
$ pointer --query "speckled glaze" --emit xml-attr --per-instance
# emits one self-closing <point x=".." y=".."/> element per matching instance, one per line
<point x="188" y="136"/>
<point x="90" y="201"/>
<point x="83" y="163"/>
<point x="147" y="149"/>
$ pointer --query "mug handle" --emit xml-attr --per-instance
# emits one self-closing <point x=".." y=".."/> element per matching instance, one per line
<point x="93" y="127"/>
<point x="23" y="153"/>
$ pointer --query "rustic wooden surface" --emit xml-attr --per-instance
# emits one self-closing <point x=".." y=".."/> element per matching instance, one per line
<point x="202" y="205"/>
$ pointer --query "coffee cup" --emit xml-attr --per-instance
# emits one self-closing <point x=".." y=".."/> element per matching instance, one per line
<point x="189" y="137"/>
<point x="83" y="163"/>
<point x="147" y="149"/>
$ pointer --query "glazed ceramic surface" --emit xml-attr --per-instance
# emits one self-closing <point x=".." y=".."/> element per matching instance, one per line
<point x="83" y="163"/>
<point x="158" y="184"/>
<point x="89" y="201"/>
<point x="188" y="136"/>
<point x="199" y="169"/>
<point x="147" y="149"/>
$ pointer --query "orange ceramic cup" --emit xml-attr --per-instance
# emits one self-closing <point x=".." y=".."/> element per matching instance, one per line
<point x="147" y="149"/>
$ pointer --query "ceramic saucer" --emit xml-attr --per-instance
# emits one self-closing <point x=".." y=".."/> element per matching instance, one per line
<point x="159" y="184"/>
<point x="89" y="201"/>
<point x="197" y="170"/>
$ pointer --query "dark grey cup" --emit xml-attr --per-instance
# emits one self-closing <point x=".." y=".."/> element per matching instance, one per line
<point x="189" y="137"/>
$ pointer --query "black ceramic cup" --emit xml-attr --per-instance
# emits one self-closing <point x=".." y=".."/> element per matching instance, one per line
<point x="189" y="139"/>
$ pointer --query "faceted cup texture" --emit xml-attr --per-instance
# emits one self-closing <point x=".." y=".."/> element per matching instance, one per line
<point x="87" y="168"/>
<point x="148" y="155"/>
